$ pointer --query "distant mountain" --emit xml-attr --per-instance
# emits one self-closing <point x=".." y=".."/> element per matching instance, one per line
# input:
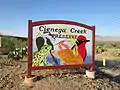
<point x="12" y="34"/>
<point x="107" y="38"/>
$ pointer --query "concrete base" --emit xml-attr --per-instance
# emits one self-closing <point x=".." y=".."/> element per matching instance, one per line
<point x="90" y="74"/>
<point x="29" y="81"/>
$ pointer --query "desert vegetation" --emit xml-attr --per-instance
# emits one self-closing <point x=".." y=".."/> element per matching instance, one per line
<point x="10" y="43"/>
<point x="108" y="49"/>
<point x="14" y="47"/>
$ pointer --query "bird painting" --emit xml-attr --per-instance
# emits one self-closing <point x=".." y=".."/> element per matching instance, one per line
<point x="40" y="42"/>
<point x="78" y="56"/>
<point x="66" y="54"/>
<point x="69" y="58"/>
<point x="81" y="46"/>
<point x="61" y="45"/>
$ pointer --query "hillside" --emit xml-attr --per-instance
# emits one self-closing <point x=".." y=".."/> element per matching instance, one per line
<point x="107" y="38"/>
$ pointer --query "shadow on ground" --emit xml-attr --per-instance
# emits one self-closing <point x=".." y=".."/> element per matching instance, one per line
<point x="113" y="65"/>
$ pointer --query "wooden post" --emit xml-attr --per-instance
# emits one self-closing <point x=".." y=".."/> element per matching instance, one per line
<point x="104" y="61"/>
<point x="91" y="73"/>
<point x="29" y="48"/>
<point x="93" y="49"/>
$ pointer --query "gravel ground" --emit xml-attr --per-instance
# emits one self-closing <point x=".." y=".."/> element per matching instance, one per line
<point x="12" y="75"/>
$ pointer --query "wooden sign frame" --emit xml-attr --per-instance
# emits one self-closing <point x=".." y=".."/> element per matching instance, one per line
<point x="30" y="34"/>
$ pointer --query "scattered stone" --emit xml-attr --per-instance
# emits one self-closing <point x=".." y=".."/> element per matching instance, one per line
<point x="18" y="66"/>
<point x="23" y="72"/>
<point x="1" y="70"/>
<point x="2" y="78"/>
<point x="85" y="76"/>
<point x="21" y="77"/>
<point x="63" y="79"/>
<point x="0" y="67"/>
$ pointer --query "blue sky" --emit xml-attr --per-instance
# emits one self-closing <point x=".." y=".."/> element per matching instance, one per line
<point x="104" y="14"/>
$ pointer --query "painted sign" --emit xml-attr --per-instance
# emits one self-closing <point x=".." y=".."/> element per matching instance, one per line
<point x="58" y="43"/>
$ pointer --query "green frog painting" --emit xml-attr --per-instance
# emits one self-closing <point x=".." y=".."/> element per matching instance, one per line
<point x="39" y="58"/>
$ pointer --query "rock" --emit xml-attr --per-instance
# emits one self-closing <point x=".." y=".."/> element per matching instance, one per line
<point x="21" y="77"/>
<point x="2" y="78"/>
<point x="85" y="76"/>
<point x="0" y="67"/>
<point x="1" y="70"/>
<point x="23" y="72"/>
<point x="10" y="76"/>
<point x="18" y="66"/>
<point x="1" y="86"/>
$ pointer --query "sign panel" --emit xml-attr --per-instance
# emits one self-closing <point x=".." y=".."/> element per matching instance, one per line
<point x="59" y="43"/>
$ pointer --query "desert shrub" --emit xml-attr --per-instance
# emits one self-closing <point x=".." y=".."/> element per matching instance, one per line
<point x="10" y="43"/>
<point x="116" y="45"/>
<point x="109" y="44"/>
<point x="100" y="49"/>
<point x="7" y="44"/>
<point x="117" y="52"/>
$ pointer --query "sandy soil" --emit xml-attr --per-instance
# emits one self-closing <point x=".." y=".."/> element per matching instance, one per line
<point x="12" y="75"/>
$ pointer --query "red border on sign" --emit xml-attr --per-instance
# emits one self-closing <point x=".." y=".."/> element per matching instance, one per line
<point x="37" y="23"/>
